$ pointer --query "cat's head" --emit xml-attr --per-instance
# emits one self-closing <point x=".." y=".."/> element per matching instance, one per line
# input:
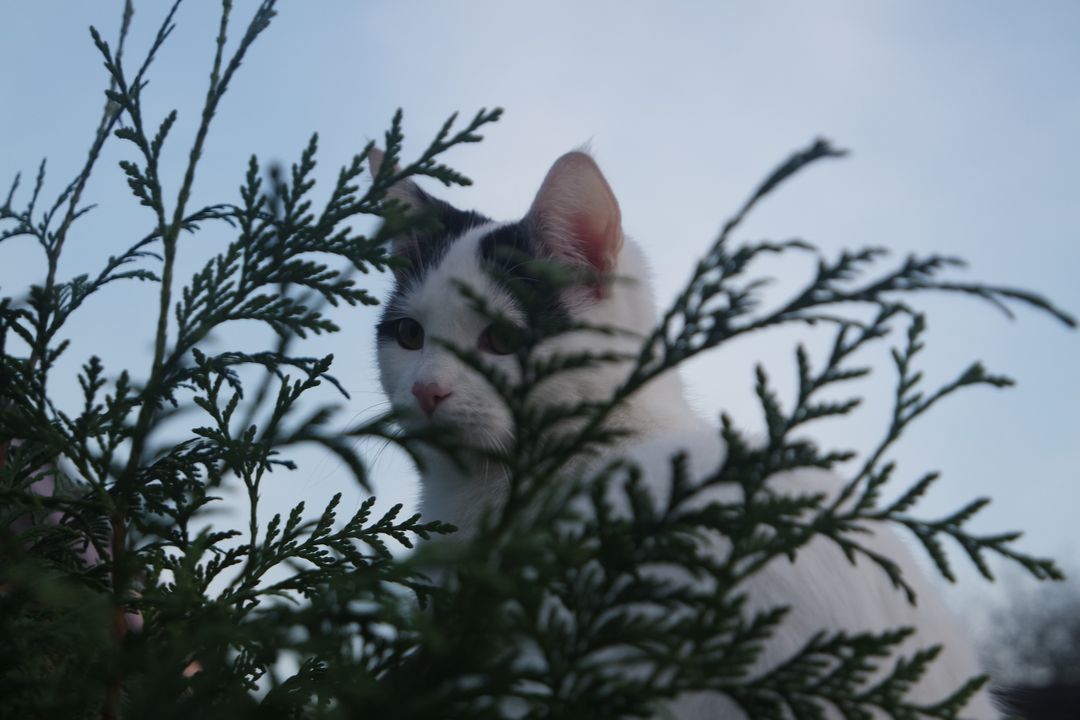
<point x="574" y="222"/>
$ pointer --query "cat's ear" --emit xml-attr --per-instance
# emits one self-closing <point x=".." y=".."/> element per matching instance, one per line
<point x="576" y="217"/>
<point x="405" y="191"/>
<point x="403" y="244"/>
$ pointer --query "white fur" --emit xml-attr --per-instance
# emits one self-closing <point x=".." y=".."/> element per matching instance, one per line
<point x="825" y="591"/>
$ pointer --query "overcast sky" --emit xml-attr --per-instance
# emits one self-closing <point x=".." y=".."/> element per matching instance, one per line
<point x="962" y="120"/>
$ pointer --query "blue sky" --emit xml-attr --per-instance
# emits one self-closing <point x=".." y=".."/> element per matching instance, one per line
<point x="962" y="120"/>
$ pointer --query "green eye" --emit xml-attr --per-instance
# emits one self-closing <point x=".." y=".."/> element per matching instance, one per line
<point x="410" y="334"/>
<point x="499" y="339"/>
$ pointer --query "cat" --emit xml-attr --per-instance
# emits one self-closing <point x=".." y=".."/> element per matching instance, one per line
<point x="575" y="220"/>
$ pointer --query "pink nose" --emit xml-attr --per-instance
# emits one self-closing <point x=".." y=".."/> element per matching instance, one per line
<point x="429" y="395"/>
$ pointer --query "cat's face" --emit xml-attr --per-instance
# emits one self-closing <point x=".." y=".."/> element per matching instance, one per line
<point x="573" y="221"/>
<point x="425" y="380"/>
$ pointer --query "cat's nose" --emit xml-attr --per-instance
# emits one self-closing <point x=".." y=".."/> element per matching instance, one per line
<point x="429" y="395"/>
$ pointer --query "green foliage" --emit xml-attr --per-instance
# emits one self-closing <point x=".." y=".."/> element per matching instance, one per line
<point x="548" y="613"/>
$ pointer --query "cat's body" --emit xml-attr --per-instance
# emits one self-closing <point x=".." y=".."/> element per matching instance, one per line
<point x="575" y="220"/>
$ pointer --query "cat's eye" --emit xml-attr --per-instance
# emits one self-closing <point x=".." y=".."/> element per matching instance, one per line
<point x="409" y="334"/>
<point x="500" y="339"/>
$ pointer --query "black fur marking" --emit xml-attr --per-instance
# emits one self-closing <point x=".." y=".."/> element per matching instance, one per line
<point x="1052" y="702"/>
<point x="511" y="252"/>
<point x="386" y="330"/>
<point x="440" y="225"/>
<point x="509" y="249"/>
<point x="443" y="224"/>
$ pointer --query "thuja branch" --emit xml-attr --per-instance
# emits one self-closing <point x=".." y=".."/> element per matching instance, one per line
<point x="843" y="516"/>
<point x="218" y="84"/>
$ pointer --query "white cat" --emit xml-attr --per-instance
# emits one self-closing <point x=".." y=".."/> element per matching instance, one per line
<point x="575" y="220"/>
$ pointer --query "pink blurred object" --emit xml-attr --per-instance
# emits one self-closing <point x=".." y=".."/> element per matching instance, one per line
<point x="45" y="486"/>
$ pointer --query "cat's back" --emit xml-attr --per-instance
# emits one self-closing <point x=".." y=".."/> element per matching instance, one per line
<point x="823" y="589"/>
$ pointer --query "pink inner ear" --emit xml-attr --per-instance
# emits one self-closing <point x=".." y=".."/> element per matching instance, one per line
<point x="595" y="244"/>
<point x="578" y="215"/>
